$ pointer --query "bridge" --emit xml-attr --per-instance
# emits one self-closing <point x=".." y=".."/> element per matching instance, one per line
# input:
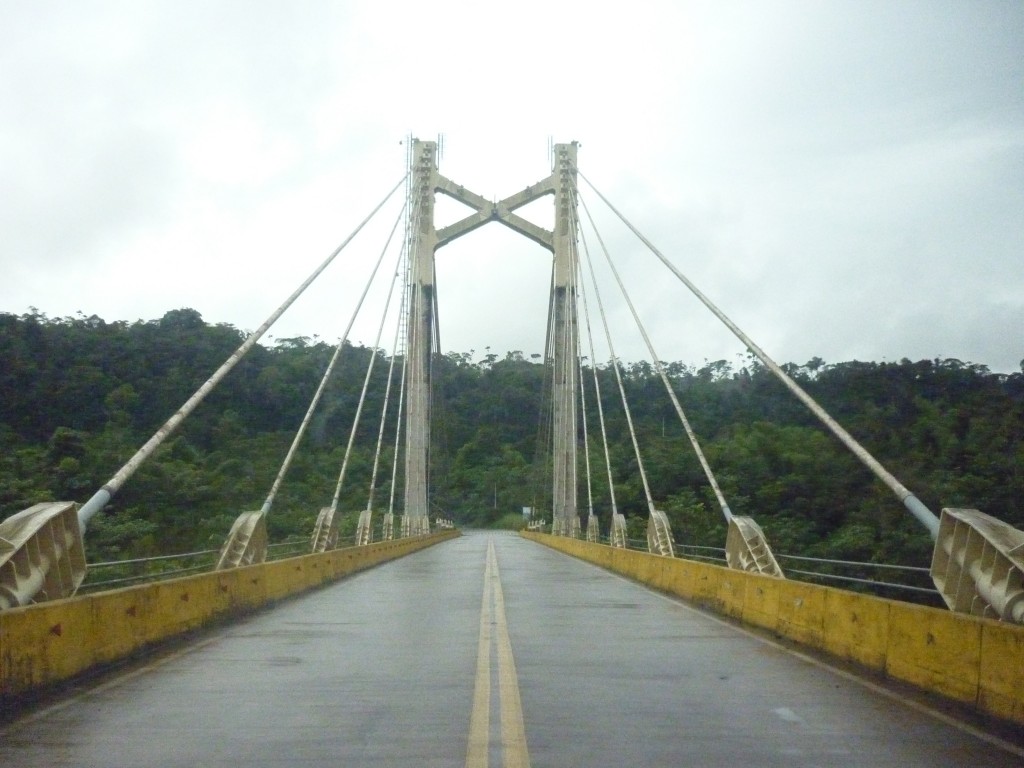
<point x="439" y="649"/>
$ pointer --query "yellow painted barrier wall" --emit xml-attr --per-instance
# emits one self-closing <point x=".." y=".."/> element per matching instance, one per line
<point x="50" y="642"/>
<point x="978" y="662"/>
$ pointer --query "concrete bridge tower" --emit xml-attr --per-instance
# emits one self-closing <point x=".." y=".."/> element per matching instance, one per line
<point x="561" y="347"/>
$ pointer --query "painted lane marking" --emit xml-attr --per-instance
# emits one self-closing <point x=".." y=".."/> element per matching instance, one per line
<point x="479" y="720"/>
<point x="515" y="753"/>
<point x="513" y="729"/>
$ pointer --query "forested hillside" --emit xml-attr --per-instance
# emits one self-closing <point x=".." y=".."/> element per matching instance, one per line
<point x="79" y="395"/>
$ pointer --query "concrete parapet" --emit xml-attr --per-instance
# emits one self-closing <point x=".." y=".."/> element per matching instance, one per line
<point x="975" y="661"/>
<point x="46" y="643"/>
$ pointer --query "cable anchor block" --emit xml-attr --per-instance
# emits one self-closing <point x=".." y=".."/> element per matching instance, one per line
<point x="618" y="531"/>
<point x="42" y="556"/>
<point x="364" y="528"/>
<point x="325" y="532"/>
<point x="659" y="534"/>
<point x="746" y="548"/>
<point x="246" y="543"/>
<point x="978" y="565"/>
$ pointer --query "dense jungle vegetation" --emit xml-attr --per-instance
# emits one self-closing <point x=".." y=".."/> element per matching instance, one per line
<point x="79" y="395"/>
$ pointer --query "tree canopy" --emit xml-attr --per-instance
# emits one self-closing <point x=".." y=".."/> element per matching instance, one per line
<point x="79" y="395"/>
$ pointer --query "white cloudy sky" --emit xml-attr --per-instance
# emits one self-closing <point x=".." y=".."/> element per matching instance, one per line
<point x="846" y="179"/>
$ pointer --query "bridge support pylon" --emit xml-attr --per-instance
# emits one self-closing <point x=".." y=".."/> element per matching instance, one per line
<point x="421" y="321"/>
<point x="562" y="333"/>
<point x="562" y="342"/>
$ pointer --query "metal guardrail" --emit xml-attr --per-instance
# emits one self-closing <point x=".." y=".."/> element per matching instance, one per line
<point x="149" y="568"/>
<point x="872" y="582"/>
<point x="717" y="555"/>
<point x="205" y="559"/>
<point x="142" y="570"/>
<point x="863" y="567"/>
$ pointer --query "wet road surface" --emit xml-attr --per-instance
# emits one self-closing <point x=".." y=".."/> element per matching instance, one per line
<point x="485" y="650"/>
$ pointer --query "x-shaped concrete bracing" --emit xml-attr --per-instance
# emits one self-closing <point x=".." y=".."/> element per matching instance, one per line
<point x="500" y="211"/>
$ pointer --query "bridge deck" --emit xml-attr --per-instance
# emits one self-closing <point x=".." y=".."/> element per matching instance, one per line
<point x="425" y="660"/>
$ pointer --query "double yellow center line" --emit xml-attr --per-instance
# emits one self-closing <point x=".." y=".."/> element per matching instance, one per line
<point x="513" y="732"/>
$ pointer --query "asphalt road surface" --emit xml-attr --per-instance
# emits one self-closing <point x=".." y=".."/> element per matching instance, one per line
<point x="487" y="650"/>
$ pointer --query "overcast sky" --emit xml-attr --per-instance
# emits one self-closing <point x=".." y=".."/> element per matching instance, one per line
<point x="846" y="179"/>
